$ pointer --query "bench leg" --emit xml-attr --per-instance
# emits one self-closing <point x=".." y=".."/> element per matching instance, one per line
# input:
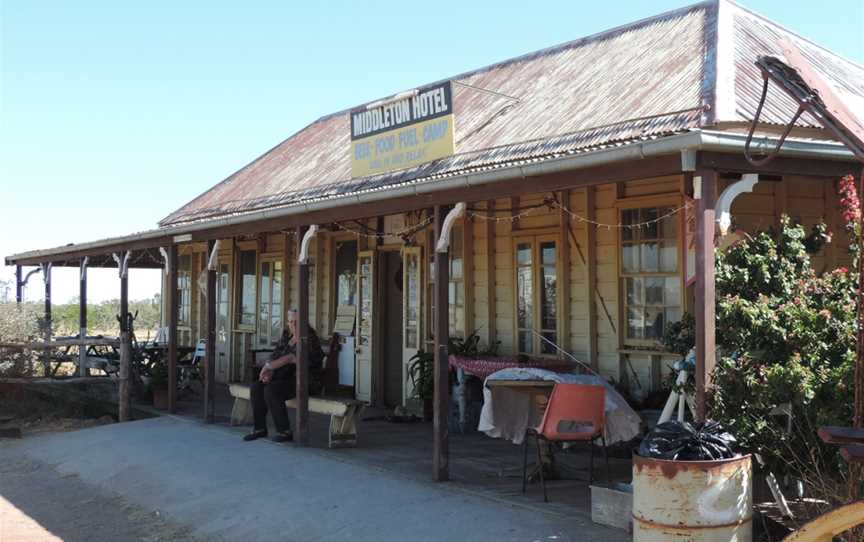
<point x="343" y="429"/>
<point x="241" y="412"/>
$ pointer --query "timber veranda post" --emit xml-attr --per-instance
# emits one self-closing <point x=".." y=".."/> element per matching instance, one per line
<point x="46" y="363"/>
<point x="301" y="435"/>
<point x="125" y="344"/>
<point x="82" y="319"/>
<point x="173" y="311"/>
<point x="210" y="347"/>
<point x="441" y="397"/>
<point x="19" y="286"/>
<point x="705" y="294"/>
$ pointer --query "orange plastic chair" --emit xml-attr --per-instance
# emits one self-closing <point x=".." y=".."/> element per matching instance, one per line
<point x="575" y="413"/>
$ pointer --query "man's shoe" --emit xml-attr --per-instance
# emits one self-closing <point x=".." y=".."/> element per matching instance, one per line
<point x="255" y="435"/>
<point x="283" y="436"/>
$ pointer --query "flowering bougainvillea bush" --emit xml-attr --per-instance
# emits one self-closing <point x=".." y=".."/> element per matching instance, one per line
<point x="787" y="336"/>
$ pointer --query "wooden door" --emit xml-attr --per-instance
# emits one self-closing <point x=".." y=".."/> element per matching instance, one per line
<point x="365" y="324"/>
<point x="412" y="309"/>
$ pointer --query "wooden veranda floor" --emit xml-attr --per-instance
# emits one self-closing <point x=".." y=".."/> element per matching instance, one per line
<point x="478" y="464"/>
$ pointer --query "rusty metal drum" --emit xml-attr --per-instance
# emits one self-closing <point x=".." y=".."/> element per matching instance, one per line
<point x="696" y="501"/>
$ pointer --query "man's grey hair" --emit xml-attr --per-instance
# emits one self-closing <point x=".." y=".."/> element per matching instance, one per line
<point x="292" y="313"/>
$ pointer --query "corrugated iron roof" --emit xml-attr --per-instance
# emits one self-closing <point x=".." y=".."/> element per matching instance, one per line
<point x="674" y="72"/>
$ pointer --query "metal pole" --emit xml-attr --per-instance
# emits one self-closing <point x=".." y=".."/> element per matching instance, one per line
<point x="705" y="297"/>
<point x="82" y="319"/>
<point x="301" y="435"/>
<point x="441" y="398"/>
<point x="210" y="349"/>
<point x="173" y="309"/>
<point x="124" y="408"/>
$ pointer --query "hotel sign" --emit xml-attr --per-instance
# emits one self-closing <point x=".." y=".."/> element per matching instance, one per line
<point x="402" y="132"/>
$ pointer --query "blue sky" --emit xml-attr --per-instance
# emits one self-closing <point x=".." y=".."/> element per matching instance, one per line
<point x="113" y="114"/>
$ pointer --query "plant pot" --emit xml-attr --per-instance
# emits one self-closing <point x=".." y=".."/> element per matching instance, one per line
<point x="160" y="398"/>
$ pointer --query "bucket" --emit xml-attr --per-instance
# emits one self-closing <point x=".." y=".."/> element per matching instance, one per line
<point x="696" y="501"/>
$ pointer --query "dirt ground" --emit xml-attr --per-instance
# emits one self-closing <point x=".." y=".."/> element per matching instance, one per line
<point x="38" y="503"/>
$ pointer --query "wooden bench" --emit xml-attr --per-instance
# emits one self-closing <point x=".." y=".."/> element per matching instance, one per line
<point x="344" y="414"/>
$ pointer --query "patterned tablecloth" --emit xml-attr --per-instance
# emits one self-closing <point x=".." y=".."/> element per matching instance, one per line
<point x="483" y="367"/>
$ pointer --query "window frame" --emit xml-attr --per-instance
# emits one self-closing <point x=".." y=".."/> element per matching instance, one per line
<point x="184" y="289"/>
<point x="272" y="260"/>
<point x="457" y="232"/>
<point x="664" y="205"/>
<point x="238" y="296"/>
<point x="537" y="282"/>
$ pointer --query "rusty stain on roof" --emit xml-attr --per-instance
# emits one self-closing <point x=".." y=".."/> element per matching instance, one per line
<point x="675" y="72"/>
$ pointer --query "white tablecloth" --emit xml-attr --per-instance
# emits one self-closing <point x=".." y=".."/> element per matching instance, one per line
<point x="508" y="413"/>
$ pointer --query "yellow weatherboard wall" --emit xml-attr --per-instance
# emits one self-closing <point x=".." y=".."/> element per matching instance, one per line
<point x="403" y="147"/>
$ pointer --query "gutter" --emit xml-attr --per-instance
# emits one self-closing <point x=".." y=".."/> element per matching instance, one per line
<point x="691" y="141"/>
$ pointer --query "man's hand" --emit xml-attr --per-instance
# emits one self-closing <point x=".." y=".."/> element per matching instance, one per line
<point x="266" y="375"/>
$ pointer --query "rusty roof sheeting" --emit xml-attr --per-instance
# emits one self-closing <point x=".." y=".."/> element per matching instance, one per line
<point x="678" y="71"/>
<point x="754" y="36"/>
<point x="623" y="83"/>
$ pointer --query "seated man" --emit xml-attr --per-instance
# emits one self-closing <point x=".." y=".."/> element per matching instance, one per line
<point x="276" y="382"/>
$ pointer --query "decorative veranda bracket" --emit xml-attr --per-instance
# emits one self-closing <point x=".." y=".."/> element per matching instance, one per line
<point x="303" y="257"/>
<point x="164" y="252"/>
<point x="213" y="260"/>
<point x="444" y="238"/>
<point x="122" y="259"/>
<point x="724" y="202"/>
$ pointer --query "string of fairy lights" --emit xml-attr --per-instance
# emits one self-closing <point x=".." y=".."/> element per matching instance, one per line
<point x="550" y="203"/>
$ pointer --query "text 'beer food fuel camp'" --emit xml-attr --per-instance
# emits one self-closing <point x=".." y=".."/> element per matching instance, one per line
<point x="403" y="131"/>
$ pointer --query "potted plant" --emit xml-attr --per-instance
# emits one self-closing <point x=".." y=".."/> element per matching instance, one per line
<point x="421" y="371"/>
<point x="159" y="385"/>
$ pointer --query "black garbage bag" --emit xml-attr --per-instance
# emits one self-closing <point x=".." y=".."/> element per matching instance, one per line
<point x="681" y="441"/>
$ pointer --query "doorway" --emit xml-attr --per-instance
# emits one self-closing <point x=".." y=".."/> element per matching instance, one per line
<point x="391" y="324"/>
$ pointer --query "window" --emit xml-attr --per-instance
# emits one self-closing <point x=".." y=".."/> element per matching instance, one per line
<point x="247" y="294"/>
<point x="536" y="295"/>
<point x="456" y="286"/>
<point x="649" y="269"/>
<point x="184" y="290"/>
<point x="270" y="306"/>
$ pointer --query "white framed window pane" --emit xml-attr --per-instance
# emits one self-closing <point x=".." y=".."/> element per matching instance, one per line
<point x="525" y="343"/>
<point x="635" y="323"/>
<point x="673" y="314"/>
<point x="629" y="216"/>
<point x="548" y="253"/>
<point x="654" y="290"/>
<point x="634" y="291"/>
<point x="650" y="229"/>
<point x="649" y="260"/>
<point x="546" y="347"/>
<point x="672" y="292"/>
<point x="549" y="299"/>
<point x="525" y="297"/>
<point x="669" y="225"/>
<point x="654" y="323"/>
<point x="523" y="254"/>
<point x="630" y="258"/>
<point x="669" y="257"/>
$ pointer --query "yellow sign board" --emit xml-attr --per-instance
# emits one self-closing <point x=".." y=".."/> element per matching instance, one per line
<point x="402" y="132"/>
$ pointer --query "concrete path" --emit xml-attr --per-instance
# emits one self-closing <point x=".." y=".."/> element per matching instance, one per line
<point x="206" y="478"/>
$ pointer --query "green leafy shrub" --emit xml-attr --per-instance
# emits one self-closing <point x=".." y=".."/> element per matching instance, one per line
<point x="785" y="335"/>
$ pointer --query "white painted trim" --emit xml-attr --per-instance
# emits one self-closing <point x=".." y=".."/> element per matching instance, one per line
<point x="724" y="82"/>
<point x="444" y="238"/>
<point x="303" y="257"/>
<point x="724" y="202"/>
